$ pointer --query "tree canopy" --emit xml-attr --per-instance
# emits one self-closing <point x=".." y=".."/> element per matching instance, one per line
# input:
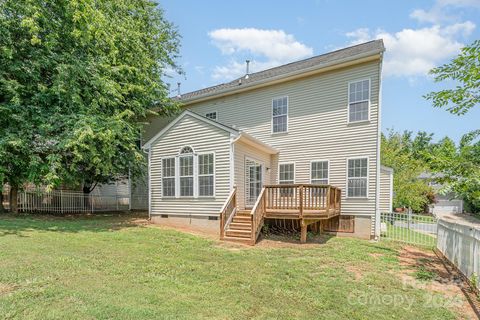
<point x="455" y="166"/>
<point x="465" y="71"/>
<point x="76" y="79"/>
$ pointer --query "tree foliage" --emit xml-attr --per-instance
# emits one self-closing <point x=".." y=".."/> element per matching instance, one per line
<point x="464" y="70"/>
<point x="456" y="167"/>
<point x="401" y="152"/>
<point x="76" y="78"/>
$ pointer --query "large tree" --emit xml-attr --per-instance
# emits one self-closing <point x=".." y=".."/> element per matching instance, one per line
<point x="465" y="71"/>
<point x="76" y="79"/>
<point x="403" y="153"/>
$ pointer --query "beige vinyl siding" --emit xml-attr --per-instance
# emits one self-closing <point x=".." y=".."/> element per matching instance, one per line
<point x="243" y="151"/>
<point x="386" y="183"/>
<point x="317" y="126"/>
<point x="202" y="137"/>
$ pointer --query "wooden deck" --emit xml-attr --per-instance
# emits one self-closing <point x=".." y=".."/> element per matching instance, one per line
<point x="305" y="202"/>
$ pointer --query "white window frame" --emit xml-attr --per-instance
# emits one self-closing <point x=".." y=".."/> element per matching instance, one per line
<point x="368" y="180"/>
<point x="206" y="175"/>
<point x="328" y="169"/>
<point x="185" y="155"/>
<point x="210" y="112"/>
<point x="174" y="177"/>
<point x="294" y="171"/>
<point x="288" y="109"/>
<point x="368" y="100"/>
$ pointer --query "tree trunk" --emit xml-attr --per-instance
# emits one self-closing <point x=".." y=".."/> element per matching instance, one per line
<point x="14" y="199"/>
<point x="86" y="198"/>
<point x="2" y="209"/>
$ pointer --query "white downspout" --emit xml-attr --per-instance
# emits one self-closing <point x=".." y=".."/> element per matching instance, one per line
<point x="377" y="182"/>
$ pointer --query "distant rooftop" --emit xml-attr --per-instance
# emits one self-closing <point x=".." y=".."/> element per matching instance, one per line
<point x="349" y="53"/>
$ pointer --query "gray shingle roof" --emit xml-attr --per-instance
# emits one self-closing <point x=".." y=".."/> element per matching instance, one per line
<point x="349" y="53"/>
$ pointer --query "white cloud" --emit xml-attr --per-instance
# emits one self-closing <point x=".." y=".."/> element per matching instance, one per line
<point x="441" y="11"/>
<point x="413" y="52"/>
<point x="265" y="49"/>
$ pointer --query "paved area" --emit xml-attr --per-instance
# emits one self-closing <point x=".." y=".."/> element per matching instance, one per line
<point x="460" y="218"/>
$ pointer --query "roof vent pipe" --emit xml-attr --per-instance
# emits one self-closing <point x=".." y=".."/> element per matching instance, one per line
<point x="248" y="68"/>
<point x="179" y="95"/>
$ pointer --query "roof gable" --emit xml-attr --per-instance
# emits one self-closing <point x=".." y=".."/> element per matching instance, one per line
<point x="185" y="113"/>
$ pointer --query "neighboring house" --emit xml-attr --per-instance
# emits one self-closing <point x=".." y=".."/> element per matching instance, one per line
<point x="444" y="203"/>
<point x="300" y="141"/>
<point x="386" y="189"/>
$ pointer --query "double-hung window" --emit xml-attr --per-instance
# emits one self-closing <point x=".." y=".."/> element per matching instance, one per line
<point x="319" y="172"/>
<point x="357" y="172"/>
<point x="358" y="100"/>
<point x="189" y="174"/>
<point x="280" y="115"/>
<point x="205" y="175"/>
<point x="168" y="177"/>
<point x="186" y="175"/>
<point x="286" y="175"/>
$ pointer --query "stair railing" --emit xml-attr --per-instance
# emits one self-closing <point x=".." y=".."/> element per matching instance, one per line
<point x="228" y="212"/>
<point x="257" y="216"/>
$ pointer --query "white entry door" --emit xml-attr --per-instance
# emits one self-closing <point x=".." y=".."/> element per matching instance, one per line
<point x="253" y="181"/>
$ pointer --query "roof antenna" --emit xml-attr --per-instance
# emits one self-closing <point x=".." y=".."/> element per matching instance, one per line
<point x="248" y="68"/>
<point x="179" y="95"/>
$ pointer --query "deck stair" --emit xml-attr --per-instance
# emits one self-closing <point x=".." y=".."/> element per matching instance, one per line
<point x="240" y="229"/>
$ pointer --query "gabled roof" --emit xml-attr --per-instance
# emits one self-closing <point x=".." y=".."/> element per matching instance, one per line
<point x="387" y="169"/>
<point x="353" y="53"/>
<point x="239" y="136"/>
<point x="185" y="113"/>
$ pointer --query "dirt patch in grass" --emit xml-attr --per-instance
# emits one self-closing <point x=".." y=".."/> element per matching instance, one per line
<point x="376" y="255"/>
<point x="6" y="288"/>
<point x="423" y="268"/>
<point x="357" y="272"/>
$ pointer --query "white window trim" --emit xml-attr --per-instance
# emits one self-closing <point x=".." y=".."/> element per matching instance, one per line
<point x="272" y="116"/>
<point x="294" y="171"/>
<point x="328" y="169"/>
<point x="216" y="115"/>
<point x="369" y="101"/>
<point x="183" y="147"/>
<point x="178" y="177"/>
<point x="368" y="175"/>
<point x="174" y="178"/>
<point x="207" y="175"/>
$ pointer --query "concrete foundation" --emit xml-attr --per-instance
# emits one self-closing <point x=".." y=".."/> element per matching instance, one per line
<point x="203" y="224"/>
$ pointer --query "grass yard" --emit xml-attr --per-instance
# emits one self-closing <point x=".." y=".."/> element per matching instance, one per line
<point x="407" y="235"/>
<point x="108" y="267"/>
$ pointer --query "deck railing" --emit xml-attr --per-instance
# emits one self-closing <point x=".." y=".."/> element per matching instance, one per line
<point x="228" y="212"/>
<point x="258" y="215"/>
<point x="302" y="200"/>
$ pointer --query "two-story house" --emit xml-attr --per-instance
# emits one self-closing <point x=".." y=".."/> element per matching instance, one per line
<point x="300" y="142"/>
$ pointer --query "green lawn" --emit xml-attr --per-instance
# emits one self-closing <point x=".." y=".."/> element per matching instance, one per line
<point x="409" y="236"/>
<point x="110" y="268"/>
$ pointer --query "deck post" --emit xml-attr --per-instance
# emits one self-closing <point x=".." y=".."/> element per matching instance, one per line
<point x="303" y="231"/>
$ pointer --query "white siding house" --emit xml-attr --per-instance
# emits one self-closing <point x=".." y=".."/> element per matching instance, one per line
<point x="316" y="121"/>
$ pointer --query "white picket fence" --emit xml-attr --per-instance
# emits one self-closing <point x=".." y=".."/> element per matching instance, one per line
<point x="460" y="244"/>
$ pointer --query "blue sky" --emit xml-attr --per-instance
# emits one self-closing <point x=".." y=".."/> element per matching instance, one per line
<point x="218" y="36"/>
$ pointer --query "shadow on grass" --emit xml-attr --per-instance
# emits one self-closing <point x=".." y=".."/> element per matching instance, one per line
<point x="11" y="224"/>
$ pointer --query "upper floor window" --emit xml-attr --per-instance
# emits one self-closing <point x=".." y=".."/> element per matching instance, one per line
<point x="319" y="172"/>
<point x="357" y="177"/>
<point x="186" y="150"/>
<point x="358" y="100"/>
<point x="286" y="173"/>
<point x="211" y="115"/>
<point x="280" y="115"/>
